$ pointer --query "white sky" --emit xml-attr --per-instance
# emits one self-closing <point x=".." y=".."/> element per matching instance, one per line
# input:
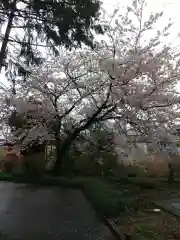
<point x="169" y="7"/>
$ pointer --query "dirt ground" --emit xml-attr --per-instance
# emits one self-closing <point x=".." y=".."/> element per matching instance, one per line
<point x="149" y="221"/>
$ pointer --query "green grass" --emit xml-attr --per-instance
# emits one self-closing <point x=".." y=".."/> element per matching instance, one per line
<point x="106" y="200"/>
<point x="142" y="182"/>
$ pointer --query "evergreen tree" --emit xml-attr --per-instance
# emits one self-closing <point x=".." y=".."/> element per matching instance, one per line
<point x="44" y="23"/>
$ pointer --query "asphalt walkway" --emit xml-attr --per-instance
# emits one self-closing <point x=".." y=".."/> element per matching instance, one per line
<point x="48" y="213"/>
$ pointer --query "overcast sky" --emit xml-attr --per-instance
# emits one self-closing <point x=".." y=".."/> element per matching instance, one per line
<point x="170" y="8"/>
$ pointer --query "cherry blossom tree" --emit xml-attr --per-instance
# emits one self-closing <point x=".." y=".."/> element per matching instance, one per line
<point x="64" y="104"/>
<point x="130" y="78"/>
<point x="143" y="68"/>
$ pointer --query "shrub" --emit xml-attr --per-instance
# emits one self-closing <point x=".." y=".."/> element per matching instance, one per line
<point x="34" y="164"/>
<point x="93" y="153"/>
<point x="156" y="165"/>
<point x="9" y="163"/>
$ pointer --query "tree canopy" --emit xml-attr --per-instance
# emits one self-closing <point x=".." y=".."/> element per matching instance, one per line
<point x="47" y="24"/>
<point x="128" y="81"/>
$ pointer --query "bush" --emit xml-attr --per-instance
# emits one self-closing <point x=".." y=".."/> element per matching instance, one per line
<point x="34" y="165"/>
<point x="10" y="162"/>
<point x="156" y="165"/>
<point x="83" y="166"/>
<point x="92" y="154"/>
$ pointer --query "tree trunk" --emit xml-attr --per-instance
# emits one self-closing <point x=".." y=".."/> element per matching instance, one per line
<point x="62" y="148"/>
<point x="171" y="174"/>
<point x="57" y="170"/>
<point x="61" y="154"/>
<point x="7" y="33"/>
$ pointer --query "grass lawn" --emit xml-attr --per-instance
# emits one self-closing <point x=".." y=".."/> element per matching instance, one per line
<point x="106" y="199"/>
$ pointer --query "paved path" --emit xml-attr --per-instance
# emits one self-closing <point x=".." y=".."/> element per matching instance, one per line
<point x="46" y="213"/>
<point x="170" y="205"/>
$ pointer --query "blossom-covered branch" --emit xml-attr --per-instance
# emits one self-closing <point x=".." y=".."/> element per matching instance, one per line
<point x="131" y="79"/>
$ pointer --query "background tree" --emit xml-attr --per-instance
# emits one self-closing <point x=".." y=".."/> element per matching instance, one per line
<point x="93" y="151"/>
<point x="32" y="25"/>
